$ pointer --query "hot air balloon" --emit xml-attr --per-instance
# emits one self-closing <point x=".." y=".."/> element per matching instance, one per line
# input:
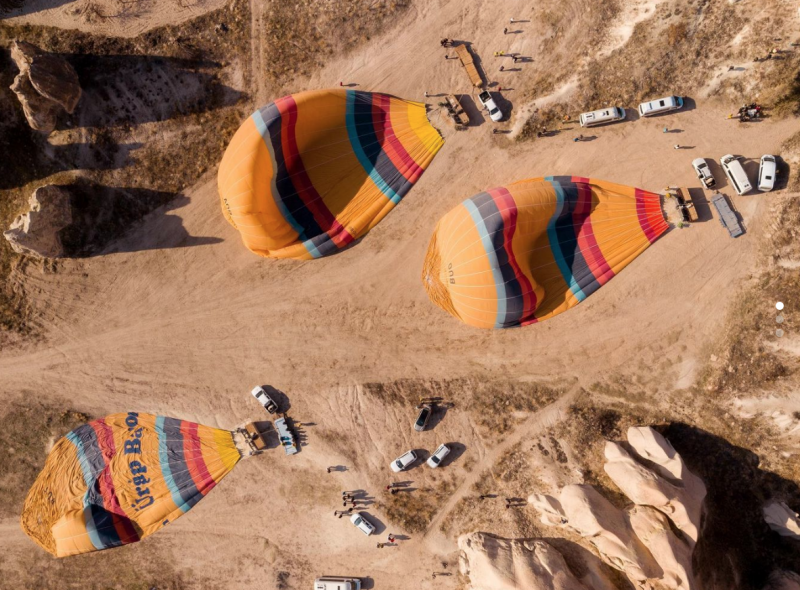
<point x="522" y="253"/>
<point x="310" y="173"/>
<point x="116" y="480"/>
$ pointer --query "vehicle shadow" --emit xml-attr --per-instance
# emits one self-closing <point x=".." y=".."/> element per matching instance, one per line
<point x="783" y="171"/>
<point x="280" y="398"/>
<point x="438" y="412"/>
<point x="718" y="173"/>
<point x="505" y="105"/>
<point x="751" y="169"/>
<point x="268" y="433"/>
<point x="135" y="89"/>
<point x="422" y="456"/>
<point x="475" y="114"/>
<point x="380" y="526"/>
<point x="731" y="550"/>
<point x="456" y="450"/>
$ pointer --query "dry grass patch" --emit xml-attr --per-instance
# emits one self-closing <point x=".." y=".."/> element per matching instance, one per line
<point x="301" y="36"/>
<point x="414" y="510"/>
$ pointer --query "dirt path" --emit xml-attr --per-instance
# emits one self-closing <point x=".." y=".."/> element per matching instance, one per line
<point x="533" y="426"/>
<point x="257" y="65"/>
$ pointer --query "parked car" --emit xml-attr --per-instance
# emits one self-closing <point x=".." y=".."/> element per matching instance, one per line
<point x="403" y="461"/>
<point x="732" y="166"/>
<point x="337" y="583"/>
<point x="362" y="523"/>
<point x="727" y="217"/>
<point x="436" y="458"/>
<point x="495" y="114"/>
<point x="766" y="173"/>
<point x="703" y="172"/>
<point x="660" y="105"/>
<point x="608" y="115"/>
<point x="425" y="411"/>
<point x="264" y="399"/>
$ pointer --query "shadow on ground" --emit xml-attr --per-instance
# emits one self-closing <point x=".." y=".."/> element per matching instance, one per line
<point x="102" y="215"/>
<point x="736" y="548"/>
<point x="134" y="89"/>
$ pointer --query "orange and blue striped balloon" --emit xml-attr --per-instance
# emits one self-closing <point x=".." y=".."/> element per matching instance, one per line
<point x="118" y="479"/>
<point x="310" y="173"/>
<point x="518" y="254"/>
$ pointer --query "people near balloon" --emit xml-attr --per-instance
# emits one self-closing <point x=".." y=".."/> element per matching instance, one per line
<point x="522" y="253"/>
<point x="308" y="174"/>
<point x="118" y="479"/>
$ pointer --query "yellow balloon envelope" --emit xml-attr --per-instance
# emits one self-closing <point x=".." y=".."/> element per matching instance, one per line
<point x="522" y="253"/>
<point x="118" y="479"/>
<point x="310" y="173"/>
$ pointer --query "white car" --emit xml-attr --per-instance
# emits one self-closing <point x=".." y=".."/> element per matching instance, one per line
<point x="362" y="524"/>
<point x="403" y="461"/>
<point x="337" y="583"/>
<point x="439" y="454"/>
<point x="661" y="105"/>
<point x="703" y="172"/>
<point x="265" y="400"/>
<point x="495" y="114"/>
<point x="766" y="173"/>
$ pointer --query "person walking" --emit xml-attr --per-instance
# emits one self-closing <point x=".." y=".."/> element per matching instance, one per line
<point x="391" y="538"/>
<point x="677" y="147"/>
<point x="380" y="545"/>
<point x="505" y="31"/>
<point x="329" y="469"/>
<point x="666" y="130"/>
<point x="393" y="491"/>
<point x="502" y="68"/>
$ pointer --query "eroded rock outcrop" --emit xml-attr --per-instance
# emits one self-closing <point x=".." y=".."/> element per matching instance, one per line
<point x="640" y="541"/>
<point x="782" y="519"/>
<point x="493" y="563"/>
<point x="46" y="85"/>
<point x="666" y="484"/>
<point x="37" y="232"/>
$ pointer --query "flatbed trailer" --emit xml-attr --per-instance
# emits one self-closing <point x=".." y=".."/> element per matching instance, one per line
<point x="456" y="111"/>
<point x="727" y="217"/>
<point x="286" y="437"/>
<point x="463" y="53"/>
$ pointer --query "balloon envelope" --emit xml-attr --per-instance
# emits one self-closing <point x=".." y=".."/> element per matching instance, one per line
<point x="310" y="173"/>
<point x="522" y="253"/>
<point x="115" y="480"/>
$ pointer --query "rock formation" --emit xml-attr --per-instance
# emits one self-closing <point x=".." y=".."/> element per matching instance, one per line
<point x="37" y="232"/>
<point x="509" y="564"/>
<point x="639" y="541"/>
<point x="46" y="85"/>
<point x="782" y="519"/>
<point x="666" y="485"/>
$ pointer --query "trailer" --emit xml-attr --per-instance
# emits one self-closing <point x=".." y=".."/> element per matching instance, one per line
<point x="683" y="202"/>
<point x="467" y="61"/>
<point x="456" y="111"/>
<point x="286" y="436"/>
<point x="727" y="217"/>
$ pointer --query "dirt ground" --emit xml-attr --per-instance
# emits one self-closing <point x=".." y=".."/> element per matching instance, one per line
<point x="186" y="323"/>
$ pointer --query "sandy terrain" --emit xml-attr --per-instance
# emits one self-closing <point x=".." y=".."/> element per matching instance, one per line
<point x="160" y="324"/>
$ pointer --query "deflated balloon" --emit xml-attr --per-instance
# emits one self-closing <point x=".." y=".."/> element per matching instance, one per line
<point x="518" y="254"/>
<point x="118" y="479"/>
<point x="310" y="173"/>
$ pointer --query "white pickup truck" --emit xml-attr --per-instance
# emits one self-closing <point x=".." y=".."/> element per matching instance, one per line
<point x="337" y="583"/>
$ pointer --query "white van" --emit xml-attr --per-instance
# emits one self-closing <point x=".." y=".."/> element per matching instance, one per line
<point x="608" y="115"/>
<point x="660" y="105"/>
<point x="736" y="174"/>
<point x="337" y="583"/>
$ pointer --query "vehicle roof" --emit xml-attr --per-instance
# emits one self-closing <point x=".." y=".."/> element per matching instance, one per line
<point x="698" y="161"/>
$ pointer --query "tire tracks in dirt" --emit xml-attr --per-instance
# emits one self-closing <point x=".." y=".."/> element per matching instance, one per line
<point x="534" y="425"/>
